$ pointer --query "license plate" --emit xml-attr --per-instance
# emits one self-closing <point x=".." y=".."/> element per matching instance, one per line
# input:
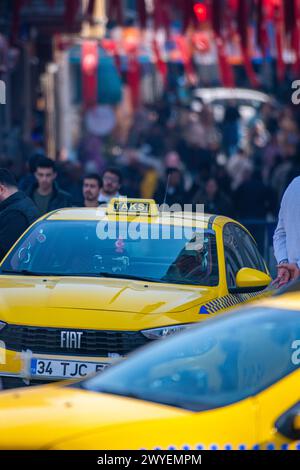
<point x="63" y="369"/>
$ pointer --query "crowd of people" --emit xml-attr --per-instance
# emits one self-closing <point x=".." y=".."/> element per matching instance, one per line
<point x="236" y="169"/>
<point x="179" y="155"/>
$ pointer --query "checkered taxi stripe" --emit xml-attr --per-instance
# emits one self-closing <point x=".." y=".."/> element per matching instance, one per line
<point x="228" y="301"/>
<point x="267" y="446"/>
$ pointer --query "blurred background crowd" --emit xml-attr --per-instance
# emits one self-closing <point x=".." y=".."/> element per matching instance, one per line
<point x="165" y="91"/>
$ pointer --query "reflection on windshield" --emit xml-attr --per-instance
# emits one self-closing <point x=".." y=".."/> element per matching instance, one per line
<point x="75" y="248"/>
<point x="214" y="365"/>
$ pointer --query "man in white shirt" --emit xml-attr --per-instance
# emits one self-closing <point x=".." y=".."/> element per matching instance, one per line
<point x="111" y="184"/>
<point x="286" y="238"/>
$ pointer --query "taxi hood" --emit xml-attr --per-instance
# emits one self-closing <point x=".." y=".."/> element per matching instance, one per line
<point x="30" y="299"/>
<point x="40" y="417"/>
<point x="59" y="417"/>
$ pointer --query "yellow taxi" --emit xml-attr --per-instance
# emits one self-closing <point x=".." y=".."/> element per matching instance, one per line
<point x="84" y="287"/>
<point x="231" y="383"/>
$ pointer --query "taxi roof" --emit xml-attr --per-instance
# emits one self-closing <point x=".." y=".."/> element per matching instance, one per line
<point x="84" y="214"/>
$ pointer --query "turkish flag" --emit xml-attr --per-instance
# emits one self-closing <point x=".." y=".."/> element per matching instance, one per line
<point x="89" y="68"/>
<point x="141" y="7"/>
<point x="71" y="10"/>
<point x="217" y="16"/>
<point x="279" y="26"/>
<point x="261" y="32"/>
<point x="186" y="55"/>
<point x="296" y="37"/>
<point x="134" y="78"/>
<point x="242" y="21"/>
<point x="226" y="72"/>
<point x="161" y="65"/>
<point x="115" y="11"/>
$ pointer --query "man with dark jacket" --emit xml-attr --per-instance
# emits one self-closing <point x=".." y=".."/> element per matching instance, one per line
<point x="17" y="212"/>
<point x="45" y="192"/>
<point x="171" y="191"/>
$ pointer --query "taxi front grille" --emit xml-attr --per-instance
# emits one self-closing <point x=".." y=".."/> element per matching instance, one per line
<point x="92" y="342"/>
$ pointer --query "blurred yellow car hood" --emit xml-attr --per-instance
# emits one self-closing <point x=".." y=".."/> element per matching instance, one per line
<point x="41" y="301"/>
<point x="69" y="418"/>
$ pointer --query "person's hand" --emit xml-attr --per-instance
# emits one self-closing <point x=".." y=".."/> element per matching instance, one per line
<point x="293" y="269"/>
<point x="283" y="275"/>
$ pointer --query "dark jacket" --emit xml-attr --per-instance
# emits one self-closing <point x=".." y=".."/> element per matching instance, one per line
<point x="17" y="212"/>
<point x="59" y="199"/>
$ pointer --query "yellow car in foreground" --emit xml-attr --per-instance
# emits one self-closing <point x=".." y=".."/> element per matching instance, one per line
<point x="231" y="383"/>
<point x="84" y="287"/>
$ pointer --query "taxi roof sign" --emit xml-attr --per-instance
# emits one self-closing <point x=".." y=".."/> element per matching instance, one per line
<point x="131" y="206"/>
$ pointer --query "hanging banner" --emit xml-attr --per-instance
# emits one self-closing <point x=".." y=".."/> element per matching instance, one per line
<point x="225" y="68"/>
<point x="242" y="23"/>
<point x="279" y="27"/>
<point x="89" y="67"/>
<point x="134" y="78"/>
<point x="226" y="72"/>
<point x="261" y="31"/>
<point x="160" y="64"/>
<point x="115" y="11"/>
<point x="186" y="58"/>
<point x="71" y="10"/>
<point x="141" y="7"/>
<point x="296" y="38"/>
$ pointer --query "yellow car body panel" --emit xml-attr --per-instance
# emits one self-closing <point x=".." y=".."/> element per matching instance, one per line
<point x="57" y="417"/>
<point x="66" y="417"/>
<point x="81" y="303"/>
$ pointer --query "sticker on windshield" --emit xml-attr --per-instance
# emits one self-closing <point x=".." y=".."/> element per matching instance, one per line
<point x="41" y="238"/>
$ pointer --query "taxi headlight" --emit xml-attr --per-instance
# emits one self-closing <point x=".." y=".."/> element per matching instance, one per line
<point x="2" y="325"/>
<point x="163" y="332"/>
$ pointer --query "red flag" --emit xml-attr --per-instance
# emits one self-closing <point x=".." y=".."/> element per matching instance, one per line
<point x="226" y="72"/>
<point x="89" y="68"/>
<point x="261" y="33"/>
<point x="16" y="19"/>
<point x="134" y="78"/>
<point x="279" y="26"/>
<point x="115" y="11"/>
<point x="162" y="14"/>
<point x="296" y="38"/>
<point x="289" y="17"/>
<point x="161" y="65"/>
<point x="111" y="48"/>
<point x="217" y="15"/>
<point x="233" y="4"/>
<point x="187" y="9"/>
<point x="242" y="23"/>
<point x="186" y="57"/>
<point x="249" y="69"/>
<point x="141" y="6"/>
<point x="71" y="10"/>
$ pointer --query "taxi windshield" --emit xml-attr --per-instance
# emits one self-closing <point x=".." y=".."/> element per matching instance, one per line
<point x="154" y="252"/>
<point x="223" y="361"/>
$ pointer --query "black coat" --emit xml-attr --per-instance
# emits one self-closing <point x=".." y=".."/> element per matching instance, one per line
<point x="17" y="212"/>
<point x="59" y="199"/>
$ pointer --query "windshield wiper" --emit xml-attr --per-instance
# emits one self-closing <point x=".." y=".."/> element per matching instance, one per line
<point x="27" y="272"/>
<point x="128" y="276"/>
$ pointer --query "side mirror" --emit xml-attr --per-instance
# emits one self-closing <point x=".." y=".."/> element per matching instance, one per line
<point x="248" y="278"/>
<point x="289" y="423"/>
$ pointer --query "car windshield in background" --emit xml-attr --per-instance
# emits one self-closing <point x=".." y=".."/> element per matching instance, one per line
<point x="222" y="362"/>
<point x="83" y="248"/>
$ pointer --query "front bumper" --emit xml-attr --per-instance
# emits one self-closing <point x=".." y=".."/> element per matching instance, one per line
<point x="17" y="364"/>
